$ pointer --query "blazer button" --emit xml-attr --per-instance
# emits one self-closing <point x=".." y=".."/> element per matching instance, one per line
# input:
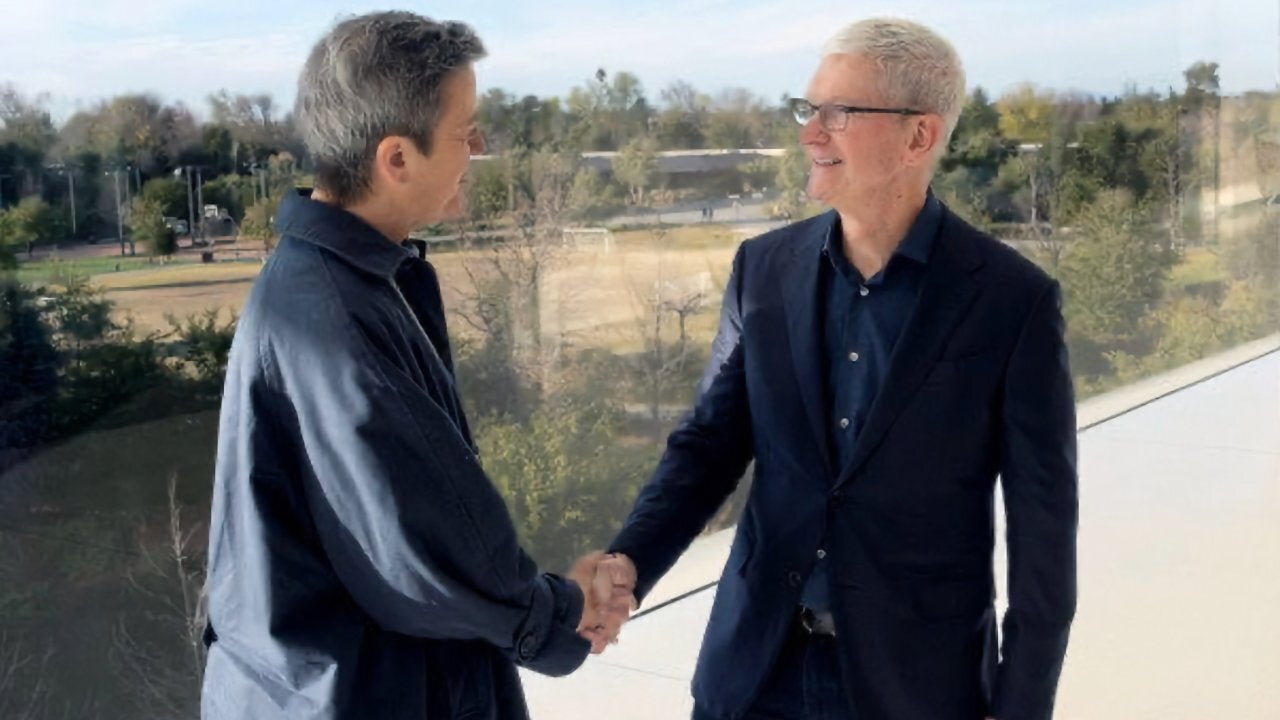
<point x="794" y="579"/>
<point x="528" y="646"/>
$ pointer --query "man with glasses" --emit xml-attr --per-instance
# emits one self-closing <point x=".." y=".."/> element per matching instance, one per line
<point x="881" y="363"/>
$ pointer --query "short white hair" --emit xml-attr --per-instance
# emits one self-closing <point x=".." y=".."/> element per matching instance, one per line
<point x="919" y="69"/>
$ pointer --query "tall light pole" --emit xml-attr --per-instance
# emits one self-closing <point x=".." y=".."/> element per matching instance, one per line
<point x="200" y="203"/>
<point x="71" y="188"/>
<point x="115" y="176"/>
<point x="191" y="203"/>
<point x="65" y="169"/>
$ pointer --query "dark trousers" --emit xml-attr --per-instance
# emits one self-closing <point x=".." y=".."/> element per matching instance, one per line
<point x="803" y="685"/>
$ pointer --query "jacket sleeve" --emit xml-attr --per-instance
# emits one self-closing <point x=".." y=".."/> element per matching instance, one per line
<point x="413" y="527"/>
<point x="705" y="457"/>
<point x="1038" y="476"/>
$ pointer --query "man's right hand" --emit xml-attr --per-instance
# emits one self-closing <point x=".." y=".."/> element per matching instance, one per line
<point x="608" y="584"/>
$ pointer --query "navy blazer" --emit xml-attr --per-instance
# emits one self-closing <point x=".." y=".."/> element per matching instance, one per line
<point x="978" y="386"/>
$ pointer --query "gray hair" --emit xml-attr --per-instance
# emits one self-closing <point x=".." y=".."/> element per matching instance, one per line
<point x="371" y="77"/>
<point x="919" y="68"/>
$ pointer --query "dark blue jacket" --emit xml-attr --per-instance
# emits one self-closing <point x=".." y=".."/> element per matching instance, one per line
<point x="978" y="386"/>
<point x="361" y="564"/>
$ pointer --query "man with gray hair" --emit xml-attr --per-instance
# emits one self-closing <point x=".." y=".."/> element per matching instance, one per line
<point x="361" y="564"/>
<point x="882" y="363"/>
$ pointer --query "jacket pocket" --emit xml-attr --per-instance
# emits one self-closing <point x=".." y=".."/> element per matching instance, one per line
<point x="953" y="599"/>
<point x="948" y="369"/>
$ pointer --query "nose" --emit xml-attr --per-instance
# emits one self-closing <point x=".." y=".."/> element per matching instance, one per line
<point x="811" y="133"/>
<point x="477" y="143"/>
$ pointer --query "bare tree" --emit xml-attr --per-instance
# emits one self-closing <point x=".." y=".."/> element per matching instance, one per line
<point x="24" y="694"/>
<point x="663" y="361"/>
<point x="166" y="669"/>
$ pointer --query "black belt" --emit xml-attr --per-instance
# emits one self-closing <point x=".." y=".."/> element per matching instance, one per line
<point x="816" y="623"/>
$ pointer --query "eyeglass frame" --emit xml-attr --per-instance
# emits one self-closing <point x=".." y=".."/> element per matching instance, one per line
<point x="796" y="104"/>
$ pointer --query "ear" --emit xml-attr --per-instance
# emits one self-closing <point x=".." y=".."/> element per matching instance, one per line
<point x="927" y="133"/>
<point x="390" y="162"/>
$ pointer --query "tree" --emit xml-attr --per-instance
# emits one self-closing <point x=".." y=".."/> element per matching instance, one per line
<point x="164" y="671"/>
<point x="564" y="472"/>
<point x="682" y="122"/>
<point x="8" y="259"/>
<point x="168" y="195"/>
<point x="1026" y="114"/>
<point x="1203" y="85"/>
<point x="33" y="222"/>
<point x="24" y="686"/>
<point x="28" y="369"/>
<point x="488" y="193"/>
<point x="792" y="181"/>
<point x="259" y="221"/>
<point x="592" y="197"/>
<point x="977" y="143"/>
<point x="149" y="228"/>
<point x="1113" y="274"/>
<point x="26" y="137"/>
<point x="636" y="167"/>
<point x="233" y="193"/>
<point x="666" y="363"/>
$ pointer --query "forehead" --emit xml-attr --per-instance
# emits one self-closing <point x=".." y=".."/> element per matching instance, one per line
<point x="851" y="78"/>
<point x="458" y="92"/>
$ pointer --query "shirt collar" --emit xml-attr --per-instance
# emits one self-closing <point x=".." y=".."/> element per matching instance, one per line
<point x="342" y="233"/>
<point x="917" y="245"/>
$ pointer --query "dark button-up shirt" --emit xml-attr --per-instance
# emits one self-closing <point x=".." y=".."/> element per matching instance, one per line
<point x="361" y="564"/>
<point x="863" y="319"/>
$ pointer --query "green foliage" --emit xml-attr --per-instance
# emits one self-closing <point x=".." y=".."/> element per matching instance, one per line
<point x="1254" y="253"/>
<point x="28" y="369"/>
<point x="233" y="193"/>
<point x="791" y="181"/>
<point x="28" y="224"/>
<point x="8" y="258"/>
<point x="977" y="143"/>
<point x="636" y="167"/>
<point x="168" y="195"/>
<point x="259" y="221"/>
<point x="1026" y="114"/>
<point x="489" y="189"/>
<point x="1114" y="270"/>
<point x="566" y="476"/>
<point x="146" y="219"/>
<point x="204" y="344"/>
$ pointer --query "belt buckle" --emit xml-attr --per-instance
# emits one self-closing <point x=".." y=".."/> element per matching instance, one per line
<point x="815" y="625"/>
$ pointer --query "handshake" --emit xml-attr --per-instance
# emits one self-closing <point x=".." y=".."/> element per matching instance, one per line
<point x="608" y="583"/>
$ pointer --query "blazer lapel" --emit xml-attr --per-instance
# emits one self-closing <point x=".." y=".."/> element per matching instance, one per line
<point x="947" y="292"/>
<point x="800" y="290"/>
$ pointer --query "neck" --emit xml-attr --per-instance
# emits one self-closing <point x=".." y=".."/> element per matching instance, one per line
<point x="378" y="213"/>
<point x="873" y="230"/>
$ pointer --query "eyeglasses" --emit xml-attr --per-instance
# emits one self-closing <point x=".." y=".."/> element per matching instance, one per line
<point x="835" y="117"/>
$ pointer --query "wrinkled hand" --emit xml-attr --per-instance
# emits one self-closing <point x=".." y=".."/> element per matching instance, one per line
<point x="608" y="585"/>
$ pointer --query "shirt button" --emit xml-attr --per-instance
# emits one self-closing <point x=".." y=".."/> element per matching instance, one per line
<point x="853" y="356"/>
<point x="821" y="553"/>
<point x="864" y="291"/>
<point x="844" y="423"/>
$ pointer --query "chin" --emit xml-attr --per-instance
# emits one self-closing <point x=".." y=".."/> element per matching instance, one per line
<point x="818" y="193"/>
<point x="454" y="211"/>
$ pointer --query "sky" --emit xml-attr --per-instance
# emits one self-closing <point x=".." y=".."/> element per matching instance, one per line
<point x="82" y="51"/>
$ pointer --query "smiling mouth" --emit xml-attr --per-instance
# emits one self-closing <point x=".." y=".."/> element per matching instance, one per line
<point x="831" y="162"/>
